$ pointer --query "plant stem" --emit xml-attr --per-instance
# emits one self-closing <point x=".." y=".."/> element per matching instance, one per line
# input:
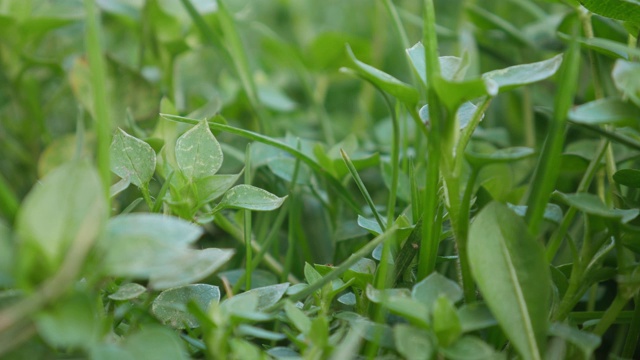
<point x="633" y="335"/>
<point x="611" y="314"/>
<point x="362" y="188"/>
<point x="247" y="221"/>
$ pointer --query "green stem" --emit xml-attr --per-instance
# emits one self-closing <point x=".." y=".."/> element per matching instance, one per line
<point x="97" y="66"/>
<point x="548" y="168"/>
<point x="247" y="222"/>
<point x="633" y="334"/>
<point x="611" y="314"/>
<point x="9" y="202"/>
<point x="362" y="188"/>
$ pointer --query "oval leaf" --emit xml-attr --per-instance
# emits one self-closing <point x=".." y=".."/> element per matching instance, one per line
<point x="170" y="307"/>
<point x="128" y="291"/>
<point x="625" y="10"/>
<point x="519" y="75"/>
<point x="66" y="204"/>
<point x="628" y="177"/>
<point x="198" y="153"/>
<point x="188" y="266"/>
<point x="511" y="272"/>
<point x="499" y="156"/>
<point x="433" y="286"/>
<point x="626" y="76"/>
<point x="250" y="198"/>
<point x="132" y="159"/>
<point x="591" y="204"/>
<point x="604" y="111"/>
<point x="403" y="92"/>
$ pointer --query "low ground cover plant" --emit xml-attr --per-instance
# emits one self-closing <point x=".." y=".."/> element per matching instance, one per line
<point x="319" y="180"/>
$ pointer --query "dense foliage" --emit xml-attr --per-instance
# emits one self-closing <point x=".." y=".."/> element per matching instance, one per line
<point x="241" y="179"/>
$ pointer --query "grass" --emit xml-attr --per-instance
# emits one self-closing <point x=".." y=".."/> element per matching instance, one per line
<point x="319" y="180"/>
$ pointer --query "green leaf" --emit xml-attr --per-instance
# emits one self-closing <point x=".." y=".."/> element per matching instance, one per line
<point x="413" y="343"/>
<point x="128" y="291"/>
<point x="66" y="206"/>
<point x="475" y="317"/>
<point x="126" y="250"/>
<point x="628" y="177"/>
<point x="469" y="348"/>
<point x="212" y="187"/>
<point x="155" y="342"/>
<point x="510" y="269"/>
<point x="259" y="277"/>
<point x="198" y="153"/>
<point x="446" y="323"/>
<point x="170" y="307"/>
<point x="454" y="93"/>
<point x="585" y="341"/>
<point x="297" y="317"/>
<point x="605" y="111"/>
<point x="71" y="322"/>
<point x="591" y="204"/>
<point x="520" y="75"/>
<point x="266" y="295"/>
<point x="499" y="156"/>
<point x="607" y="47"/>
<point x="250" y="198"/>
<point x="452" y="68"/>
<point x="625" y="10"/>
<point x="398" y="89"/>
<point x="433" y="286"/>
<point x="464" y="114"/>
<point x="132" y="159"/>
<point x="626" y="76"/>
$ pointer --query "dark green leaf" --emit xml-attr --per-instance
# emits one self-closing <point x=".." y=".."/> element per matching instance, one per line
<point x="628" y="177"/>
<point x="511" y="272"/>
<point x="626" y="10"/>
<point x="499" y="156"/>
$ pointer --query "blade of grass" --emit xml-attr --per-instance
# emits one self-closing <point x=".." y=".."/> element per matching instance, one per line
<point x="362" y="188"/>
<point x="93" y="45"/>
<point x="247" y="221"/>
<point x="548" y="168"/>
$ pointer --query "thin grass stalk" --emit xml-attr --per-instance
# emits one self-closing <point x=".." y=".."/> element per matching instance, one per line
<point x="247" y="222"/>
<point x="363" y="189"/>
<point x="93" y="45"/>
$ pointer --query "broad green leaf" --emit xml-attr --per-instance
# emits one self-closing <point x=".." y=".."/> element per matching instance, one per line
<point x="413" y="343"/>
<point x="267" y="295"/>
<point x="470" y="348"/>
<point x="188" y="266"/>
<point x="155" y="342"/>
<point x="585" y="341"/>
<point x="454" y="93"/>
<point x="128" y="291"/>
<point x="464" y="114"/>
<point x="475" y="317"/>
<point x="414" y="311"/>
<point x="499" y="156"/>
<point x="170" y="307"/>
<point x="510" y="269"/>
<point x="70" y="322"/>
<point x="433" y="286"/>
<point x="198" y="153"/>
<point x="132" y="159"/>
<point x="212" y="187"/>
<point x="370" y="225"/>
<point x="519" y="75"/>
<point x="297" y="317"/>
<point x="66" y="206"/>
<point x="250" y="198"/>
<point x="625" y="10"/>
<point x="591" y="204"/>
<point x="605" y="111"/>
<point x="446" y="324"/>
<point x="311" y="274"/>
<point x="626" y="76"/>
<point x="451" y="67"/>
<point x="628" y="177"/>
<point x="403" y="92"/>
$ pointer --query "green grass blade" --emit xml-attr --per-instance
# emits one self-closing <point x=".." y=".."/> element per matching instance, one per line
<point x="362" y="188"/>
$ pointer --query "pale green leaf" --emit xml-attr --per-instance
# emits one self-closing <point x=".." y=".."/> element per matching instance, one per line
<point x="626" y="76"/>
<point x="170" y="307"/>
<point x="413" y="343"/>
<point x="605" y="111"/>
<point x="591" y="204"/>
<point x="128" y="291"/>
<point x="155" y="342"/>
<point x="132" y="159"/>
<point x="70" y="322"/>
<point x="519" y="75"/>
<point x="198" y="153"/>
<point x="250" y="198"/>
<point x="433" y="286"/>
